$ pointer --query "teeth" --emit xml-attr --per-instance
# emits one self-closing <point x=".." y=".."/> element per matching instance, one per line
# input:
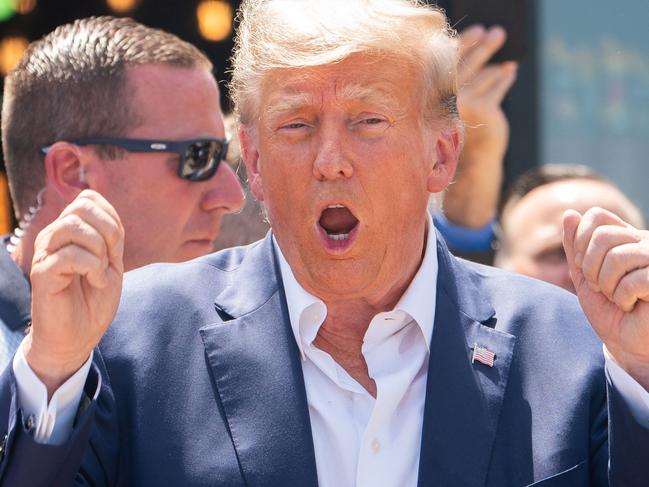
<point x="339" y="236"/>
<point x="335" y="206"/>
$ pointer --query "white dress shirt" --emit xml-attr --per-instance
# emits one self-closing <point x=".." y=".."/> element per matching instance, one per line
<point x="52" y="423"/>
<point x="360" y="440"/>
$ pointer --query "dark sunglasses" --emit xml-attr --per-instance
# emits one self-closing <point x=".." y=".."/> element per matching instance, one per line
<point x="199" y="158"/>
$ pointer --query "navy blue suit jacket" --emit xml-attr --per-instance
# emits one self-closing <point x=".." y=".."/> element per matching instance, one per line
<point x="201" y="384"/>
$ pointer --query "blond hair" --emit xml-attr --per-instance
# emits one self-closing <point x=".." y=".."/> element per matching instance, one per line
<point x="284" y="34"/>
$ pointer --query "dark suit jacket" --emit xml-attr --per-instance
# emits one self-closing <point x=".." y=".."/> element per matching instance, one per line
<point x="15" y="292"/>
<point x="198" y="390"/>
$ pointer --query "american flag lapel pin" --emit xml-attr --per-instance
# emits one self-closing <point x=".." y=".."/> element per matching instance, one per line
<point x="483" y="355"/>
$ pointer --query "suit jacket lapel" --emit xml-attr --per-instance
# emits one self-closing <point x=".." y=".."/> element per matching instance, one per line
<point x="463" y="399"/>
<point x="255" y="364"/>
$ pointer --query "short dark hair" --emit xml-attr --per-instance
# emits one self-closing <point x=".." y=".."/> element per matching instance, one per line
<point x="72" y="84"/>
<point x="546" y="174"/>
<point x="535" y="178"/>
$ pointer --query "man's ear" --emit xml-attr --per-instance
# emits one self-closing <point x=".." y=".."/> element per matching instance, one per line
<point x="250" y="156"/>
<point x="65" y="169"/>
<point x="447" y="153"/>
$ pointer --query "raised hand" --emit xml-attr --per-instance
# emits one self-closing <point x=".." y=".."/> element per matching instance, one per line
<point x="609" y="265"/>
<point x="483" y="86"/>
<point x="473" y="199"/>
<point x="76" y="281"/>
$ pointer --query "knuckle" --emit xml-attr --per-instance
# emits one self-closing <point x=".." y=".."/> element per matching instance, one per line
<point x="617" y="256"/>
<point x="606" y="284"/>
<point x="43" y="236"/>
<point x="594" y="213"/>
<point x="600" y="236"/>
<point x="87" y="194"/>
<point x="72" y="222"/>
<point x="627" y="288"/>
<point x="114" y="234"/>
<point x="85" y="205"/>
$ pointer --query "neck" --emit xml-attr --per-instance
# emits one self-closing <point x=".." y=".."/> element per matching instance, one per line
<point x="343" y="331"/>
<point x="31" y="223"/>
<point x="342" y="335"/>
<point x="23" y="252"/>
<point x="351" y="318"/>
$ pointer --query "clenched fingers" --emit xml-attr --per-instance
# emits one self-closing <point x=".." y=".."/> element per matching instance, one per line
<point x="90" y="222"/>
<point x="632" y="287"/>
<point x="591" y="220"/>
<point x="62" y="266"/>
<point x="100" y="214"/>
<point x="611" y="251"/>
<point x="71" y="229"/>
<point x="611" y="256"/>
<point x="86" y="239"/>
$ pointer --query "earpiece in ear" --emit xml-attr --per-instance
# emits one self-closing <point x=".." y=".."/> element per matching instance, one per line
<point x="82" y="175"/>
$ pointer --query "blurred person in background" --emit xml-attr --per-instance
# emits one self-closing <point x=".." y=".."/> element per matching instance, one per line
<point x="530" y="237"/>
<point x="109" y="105"/>
<point x="470" y="202"/>
<point x="250" y="223"/>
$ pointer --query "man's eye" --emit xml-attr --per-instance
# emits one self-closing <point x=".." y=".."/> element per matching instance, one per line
<point x="294" y="125"/>
<point x="372" y="121"/>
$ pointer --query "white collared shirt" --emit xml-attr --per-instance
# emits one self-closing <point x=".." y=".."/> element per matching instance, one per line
<point x="360" y="440"/>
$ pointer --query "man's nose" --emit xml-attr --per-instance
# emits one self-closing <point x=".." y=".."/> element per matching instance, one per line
<point x="225" y="191"/>
<point x="332" y="161"/>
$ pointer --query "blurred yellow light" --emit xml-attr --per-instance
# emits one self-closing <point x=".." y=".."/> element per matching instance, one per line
<point x="25" y="6"/>
<point x="122" y="6"/>
<point x="5" y="205"/>
<point x="214" y="19"/>
<point x="11" y="49"/>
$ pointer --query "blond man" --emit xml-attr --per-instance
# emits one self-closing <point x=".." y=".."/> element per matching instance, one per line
<point x="348" y="347"/>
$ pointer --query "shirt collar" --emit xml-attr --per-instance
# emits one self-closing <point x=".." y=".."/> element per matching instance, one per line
<point x="418" y="301"/>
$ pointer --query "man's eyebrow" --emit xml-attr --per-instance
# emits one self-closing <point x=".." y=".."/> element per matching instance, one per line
<point x="287" y="102"/>
<point x="372" y="95"/>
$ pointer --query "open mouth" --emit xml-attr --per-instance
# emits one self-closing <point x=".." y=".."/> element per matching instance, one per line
<point x="338" y="222"/>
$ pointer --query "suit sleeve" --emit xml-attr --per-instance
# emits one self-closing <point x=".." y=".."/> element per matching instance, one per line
<point x="628" y="444"/>
<point x="89" y="457"/>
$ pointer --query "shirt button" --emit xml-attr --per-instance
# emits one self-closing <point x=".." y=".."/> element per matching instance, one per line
<point x="376" y="446"/>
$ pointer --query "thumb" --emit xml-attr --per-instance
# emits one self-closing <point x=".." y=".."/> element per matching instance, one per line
<point x="571" y="220"/>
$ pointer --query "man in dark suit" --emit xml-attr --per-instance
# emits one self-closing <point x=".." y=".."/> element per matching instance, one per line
<point x="348" y="347"/>
<point x="76" y="113"/>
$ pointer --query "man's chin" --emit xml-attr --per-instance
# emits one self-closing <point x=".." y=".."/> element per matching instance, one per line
<point x="194" y="248"/>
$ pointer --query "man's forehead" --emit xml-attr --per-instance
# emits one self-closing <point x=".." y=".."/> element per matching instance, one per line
<point x="174" y="103"/>
<point x="288" y="98"/>
<point x="536" y="238"/>
<point x="549" y="201"/>
<point x="297" y="88"/>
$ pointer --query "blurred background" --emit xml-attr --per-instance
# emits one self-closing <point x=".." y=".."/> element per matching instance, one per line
<point x="582" y="94"/>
